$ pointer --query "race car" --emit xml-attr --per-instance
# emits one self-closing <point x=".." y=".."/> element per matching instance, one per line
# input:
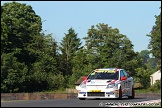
<point x="107" y="83"/>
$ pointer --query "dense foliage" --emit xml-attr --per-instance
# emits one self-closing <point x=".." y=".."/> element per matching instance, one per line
<point x="32" y="61"/>
<point x="155" y="43"/>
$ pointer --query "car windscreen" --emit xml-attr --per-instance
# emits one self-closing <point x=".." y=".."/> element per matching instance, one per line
<point x="103" y="75"/>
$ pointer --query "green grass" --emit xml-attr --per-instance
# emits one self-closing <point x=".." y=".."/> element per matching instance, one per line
<point x="142" y="90"/>
<point x="146" y="91"/>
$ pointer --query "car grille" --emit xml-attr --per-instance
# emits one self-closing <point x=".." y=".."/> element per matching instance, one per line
<point x="96" y="94"/>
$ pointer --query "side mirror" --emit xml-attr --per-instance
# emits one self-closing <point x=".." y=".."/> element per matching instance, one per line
<point x="123" y="78"/>
<point x="85" y="78"/>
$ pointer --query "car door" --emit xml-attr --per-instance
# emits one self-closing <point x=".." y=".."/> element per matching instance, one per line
<point x="131" y="83"/>
<point x="123" y="82"/>
<point x="128" y="81"/>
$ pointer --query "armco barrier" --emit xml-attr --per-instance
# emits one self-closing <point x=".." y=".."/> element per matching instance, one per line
<point x="47" y="96"/>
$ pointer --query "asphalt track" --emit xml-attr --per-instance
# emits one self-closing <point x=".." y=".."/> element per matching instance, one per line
<point x="75" y="102"/>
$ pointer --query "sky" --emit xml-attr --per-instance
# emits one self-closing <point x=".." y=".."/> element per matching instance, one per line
<point x="134" y="19"/>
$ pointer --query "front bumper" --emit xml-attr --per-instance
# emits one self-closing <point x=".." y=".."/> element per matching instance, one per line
<point x="98" y="93"/>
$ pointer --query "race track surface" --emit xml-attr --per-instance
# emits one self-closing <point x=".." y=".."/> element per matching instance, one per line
<point x="75" y="102"/>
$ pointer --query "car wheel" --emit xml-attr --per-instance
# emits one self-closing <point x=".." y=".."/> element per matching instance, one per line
<point x="133" y="94"/>
<point x="120" y="93"/>
<point x="81" y="98"/>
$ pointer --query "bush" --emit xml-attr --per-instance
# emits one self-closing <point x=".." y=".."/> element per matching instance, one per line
<point x="155" y="87"/>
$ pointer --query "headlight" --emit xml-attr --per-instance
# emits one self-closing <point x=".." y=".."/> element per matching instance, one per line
<point x="112" y="85"/>
<point x="82" y="85"/>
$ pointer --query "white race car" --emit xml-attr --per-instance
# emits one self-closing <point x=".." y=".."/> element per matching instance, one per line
<point x="107" y="83"/>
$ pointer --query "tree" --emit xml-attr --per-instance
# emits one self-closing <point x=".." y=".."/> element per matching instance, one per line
<point x="83" y="63"/>
<point x="33" y="54"/>
<point x="143" y="76"/>
<point x="112" y="48"/>
<point x="145" y="55"/>
<point x="20" y="28"/>
<point x="13" y="74"/>
<point x="45" y="66"/>
<point x="155" y="42"/>
<point x="152" y="63"/>
<point x="20" y="39"/>
<point x="69" y="46"/>
<point x="149" y="62"/>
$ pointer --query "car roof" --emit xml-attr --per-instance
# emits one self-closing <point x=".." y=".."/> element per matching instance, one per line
<point x="108" y="68"/>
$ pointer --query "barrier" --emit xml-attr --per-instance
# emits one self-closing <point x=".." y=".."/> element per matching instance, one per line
<point x="46" y="96"/>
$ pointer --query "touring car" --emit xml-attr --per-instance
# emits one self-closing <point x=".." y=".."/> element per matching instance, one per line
<point x="107" y="83"/>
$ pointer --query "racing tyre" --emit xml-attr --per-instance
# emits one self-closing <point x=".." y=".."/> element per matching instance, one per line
<point x="120" y="93"/>
<point x="133" y="94"/>
<point x="81" y="98"/>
